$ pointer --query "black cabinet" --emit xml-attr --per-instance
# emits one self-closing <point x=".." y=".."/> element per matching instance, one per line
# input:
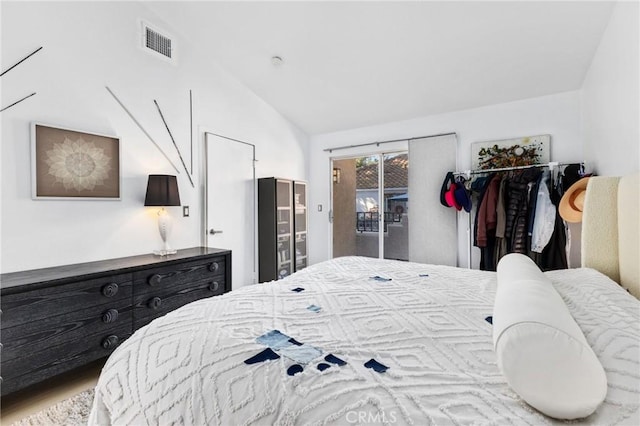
<point x="56" y="319"/>
<point x="282" y="227"/>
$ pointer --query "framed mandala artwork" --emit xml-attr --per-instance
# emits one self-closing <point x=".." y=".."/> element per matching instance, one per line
<point x="74" y="165"/>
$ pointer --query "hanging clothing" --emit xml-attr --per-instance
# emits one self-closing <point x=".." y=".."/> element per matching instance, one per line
<point x="516" y="229"/>
<point x="487" y="221"/>
<point x="532" y="192"/>
<point x="544" y="218"/>
<point x="554" y="255"/>
<point x="501" y="215"/>
<point x="517" y="212"/>
<point x="533" y="201"/>
<point x="479" y="186"/>
<point x="487" y="216"/>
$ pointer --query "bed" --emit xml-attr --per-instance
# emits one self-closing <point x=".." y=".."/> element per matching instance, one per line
<point x="358" y="341"/>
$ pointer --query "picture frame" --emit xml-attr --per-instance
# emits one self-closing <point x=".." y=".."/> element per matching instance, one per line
<point x="515" y="152"/>
<point x="69" y="164"/>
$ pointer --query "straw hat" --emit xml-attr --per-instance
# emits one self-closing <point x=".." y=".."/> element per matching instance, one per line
<point x="572" y="202"/>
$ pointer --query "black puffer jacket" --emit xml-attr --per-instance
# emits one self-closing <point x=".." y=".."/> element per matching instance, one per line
<point x="517" y="204"/>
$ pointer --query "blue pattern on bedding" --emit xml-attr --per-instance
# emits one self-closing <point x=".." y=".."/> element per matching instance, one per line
<point x="274" y="339"/>
<point x="314" y="308"/>
<point x="376" y="366"/>
<point x="379" y="278"/>
<point x="334" y="360"/>
<point x="263" y="356"/>
<point x="303" y="354"/>
<point x="294" y="369"/>
<point x="288" y="347"/>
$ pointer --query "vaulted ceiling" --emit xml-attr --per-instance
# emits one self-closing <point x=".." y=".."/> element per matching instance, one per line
<point x="353" y="64"/>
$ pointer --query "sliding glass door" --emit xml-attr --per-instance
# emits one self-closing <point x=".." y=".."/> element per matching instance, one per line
<point x="370" y="206"/>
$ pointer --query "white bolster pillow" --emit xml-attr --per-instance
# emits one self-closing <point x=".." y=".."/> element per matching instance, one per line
<point x="540" y="349"/>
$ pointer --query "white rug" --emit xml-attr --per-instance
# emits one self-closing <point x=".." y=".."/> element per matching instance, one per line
<point x="70" y="412"/>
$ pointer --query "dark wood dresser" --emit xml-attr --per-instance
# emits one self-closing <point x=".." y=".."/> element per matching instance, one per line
<point x="56" y="319"/>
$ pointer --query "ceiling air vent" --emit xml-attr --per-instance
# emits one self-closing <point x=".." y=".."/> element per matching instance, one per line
<point x="157" y="43"/>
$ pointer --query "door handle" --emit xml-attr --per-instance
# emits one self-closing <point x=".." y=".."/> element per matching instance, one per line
<point x="214" y="232"/>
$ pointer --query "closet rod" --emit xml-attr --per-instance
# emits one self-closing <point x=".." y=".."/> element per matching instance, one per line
<point x="551" y="164"/>
<point x="389" y="141"/>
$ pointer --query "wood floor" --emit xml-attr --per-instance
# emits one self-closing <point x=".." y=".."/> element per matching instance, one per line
<point x="26" y="402"/>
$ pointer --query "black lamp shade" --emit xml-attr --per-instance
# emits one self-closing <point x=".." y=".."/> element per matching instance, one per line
<point x="162" y="190"/>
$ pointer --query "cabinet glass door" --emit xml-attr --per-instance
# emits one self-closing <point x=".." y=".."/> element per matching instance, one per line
<point x="284" y="228"/>
<point x="300" y="205"/>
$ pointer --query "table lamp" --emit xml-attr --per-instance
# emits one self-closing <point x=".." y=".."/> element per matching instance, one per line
<point x="162" y="191"/>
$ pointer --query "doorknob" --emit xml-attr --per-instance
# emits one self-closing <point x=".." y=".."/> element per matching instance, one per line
<point x="214" y="232"/>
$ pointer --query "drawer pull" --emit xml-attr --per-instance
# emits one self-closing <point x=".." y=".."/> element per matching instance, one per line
<point x="154" y="303"/>
<point x="213" y="266"/>
<point x="214" y="285"/>
<point x="110" y="342"/>
<point x="154" y="280"/>
<point x="110" y="316"/>
<point x="110" y="290"/>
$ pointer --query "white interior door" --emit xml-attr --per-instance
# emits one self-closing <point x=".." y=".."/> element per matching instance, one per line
<point x="231" y="204"/>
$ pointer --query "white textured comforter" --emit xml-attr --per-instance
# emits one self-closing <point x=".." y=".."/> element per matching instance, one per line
<point x="188" y="366"/>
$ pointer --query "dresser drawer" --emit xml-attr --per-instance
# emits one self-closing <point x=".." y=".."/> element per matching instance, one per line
<point x="178" y="275"/>
<point x="62" y="329"/>
<point x="34" y="305"/>
<point x="33" y="367"/>
<point x="150" y="306"/>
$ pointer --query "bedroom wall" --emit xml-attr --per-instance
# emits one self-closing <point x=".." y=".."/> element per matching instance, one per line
<point x="610" y="101"/>
<point x="558" y="115"/>
<point x="90" y="45"/>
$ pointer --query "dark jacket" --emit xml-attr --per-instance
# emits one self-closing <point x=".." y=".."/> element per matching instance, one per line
<point x="487" y="215"/>
<point x="517" y="193"/>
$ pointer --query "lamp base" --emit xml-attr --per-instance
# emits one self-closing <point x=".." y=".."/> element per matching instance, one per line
<point x="164" y="252"/>
<point x="164" y="226"/>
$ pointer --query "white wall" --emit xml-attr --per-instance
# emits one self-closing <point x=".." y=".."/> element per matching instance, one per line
<point x="610" y="103"/>
<point x="88" y="45"/>
<point x="558" y="115"/>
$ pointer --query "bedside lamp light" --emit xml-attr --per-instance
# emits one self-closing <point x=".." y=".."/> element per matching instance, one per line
<point x="162" y="191"/>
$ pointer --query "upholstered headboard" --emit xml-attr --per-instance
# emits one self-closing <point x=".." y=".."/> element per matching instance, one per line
<point x="611" y="229"/>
